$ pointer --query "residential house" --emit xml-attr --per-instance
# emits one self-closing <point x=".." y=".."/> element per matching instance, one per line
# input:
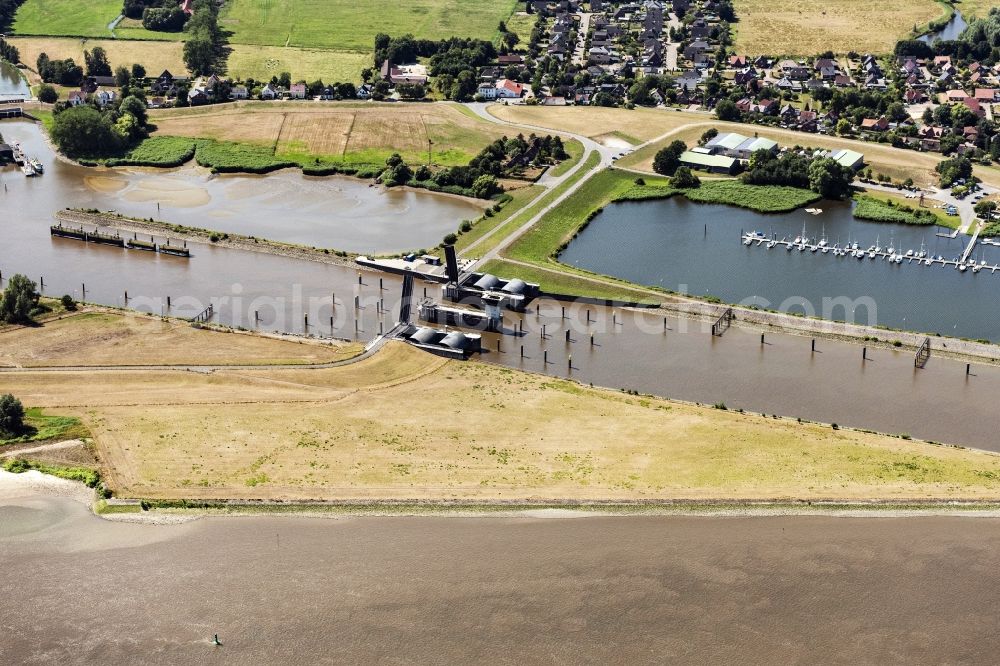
<point x="874" y="124"/>
<point x="507" y="89"/>
<point x="76" y="98"/>
<point x="239" y="92"/>
<point x="270" y="91"/>
<point x="297" y="91"/>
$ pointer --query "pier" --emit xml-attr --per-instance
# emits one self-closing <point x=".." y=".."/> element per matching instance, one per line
<point x="95" y="236"/>
<point x="897" y="257"/>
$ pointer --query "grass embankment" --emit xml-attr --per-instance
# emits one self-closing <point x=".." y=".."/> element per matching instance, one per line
<point x="815" y="26"/>
<point x="373" y="430"/>
<point x="42" y="427"/>
<point x="887" y="210"/>
<point x="518" y="200"/>
<point x="101" y="338"/>
<point x="760" y="198"/>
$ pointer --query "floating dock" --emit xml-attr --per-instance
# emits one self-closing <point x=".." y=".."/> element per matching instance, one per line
<point x="117" y="240"/>
<point x="962" y="264"/>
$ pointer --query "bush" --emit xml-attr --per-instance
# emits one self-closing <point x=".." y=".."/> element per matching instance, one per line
<point x="450" y="239"/>
<point x="683" y="178"/>
<point x="68" y="302"/>
<point x="875" y="210"/>
<point x="668" y="159"/>
<point x="47" y="94"/>
<point x="11" y="415"/>
<point x="18" y="300"/>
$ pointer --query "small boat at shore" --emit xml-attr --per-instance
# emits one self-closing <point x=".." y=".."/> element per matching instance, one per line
<point x="36" y="165"/>
<point x="27" y="170"/>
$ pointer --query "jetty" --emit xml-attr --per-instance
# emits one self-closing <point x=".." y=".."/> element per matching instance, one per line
<point x="81" y="234"/>
<point x="963" y="263"/>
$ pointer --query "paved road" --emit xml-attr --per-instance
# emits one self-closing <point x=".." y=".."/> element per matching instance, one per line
<point x="589" y="146"/>
<point x="580" y="52"/>
<point x="670" y="55"/>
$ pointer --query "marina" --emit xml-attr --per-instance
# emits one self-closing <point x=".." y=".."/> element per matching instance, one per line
<point x="890" y="254"/>
<point x="698" y="249"/>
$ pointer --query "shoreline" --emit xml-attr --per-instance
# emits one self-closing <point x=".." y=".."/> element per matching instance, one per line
<point x="36" y="485"/>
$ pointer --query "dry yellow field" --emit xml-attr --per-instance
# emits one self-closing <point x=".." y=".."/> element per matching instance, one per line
<point x="404" y="424"/>
<point x="809" y="27"/>
<point x="353" y="131"/>
<point x="98" y="338"/>
<point x="154" y="56"/>
<point x="596" y="121"/>
<point x="263" y="62"/>
<point x="648" y="124"/>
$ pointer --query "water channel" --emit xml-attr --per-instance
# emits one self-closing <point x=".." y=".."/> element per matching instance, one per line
<point x="12" y="82"/>
<point x="696" y="248"/>
<point x="951" y="30"/>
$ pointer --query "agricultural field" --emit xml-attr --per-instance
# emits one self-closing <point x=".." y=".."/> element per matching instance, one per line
<point x="98" y="338"/>
<point x="66" y="18"/>
<point x="154" y="56"/>
<point x="352" y="25"/>
<point x="373" y="429"/>
<point x="263" y="62"/>
<point x="346" y="132"/>
<point x="814" y="26"/>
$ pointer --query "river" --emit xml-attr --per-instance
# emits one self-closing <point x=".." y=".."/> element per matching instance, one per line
<point x="538" y="588"/>
<point x="12" y="82"/>
<point x="696" y="248"/>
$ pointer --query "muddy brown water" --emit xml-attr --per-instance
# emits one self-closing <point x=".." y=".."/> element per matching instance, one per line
<point x="499" y="590"/>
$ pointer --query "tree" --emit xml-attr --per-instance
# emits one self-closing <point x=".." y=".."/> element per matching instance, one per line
<point x="68" y="302"/>
<point x="708" y="135"/>
<point x="97" y="62"/>
<point x="683" y="178"/>
<point x="83" y="130"/>
<point x="199" y="55"/>
<point x="953" y="169"/>
<point x="668" y="159"/>
<point x="47" y="94"/>
<point x="829" y="178"/>
<point x="985" y="208"/>
<point x="843" y="126"/>
<point x="18" y="300"/>
<point x="122" y="76"/>
<point x="726" y="110"/>
<point x="485" y="187"/>
<point x="11" y="415"/>
<point x="138" y="71"/>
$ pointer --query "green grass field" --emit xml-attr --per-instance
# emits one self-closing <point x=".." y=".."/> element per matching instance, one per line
<point x="352" y="25"/>
<point x="66" y="17"/>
